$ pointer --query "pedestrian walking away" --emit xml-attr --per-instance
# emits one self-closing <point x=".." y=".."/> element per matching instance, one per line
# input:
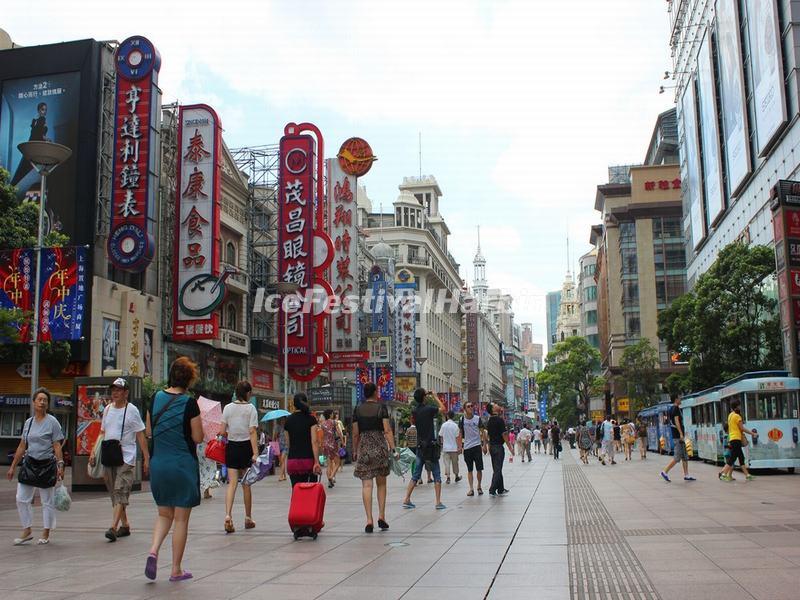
<point x="498" y="436"/>
<point x="373" y="440"/>
<point x="641" y="433"/>
<point x="679" y="451"/>
<point x="607" y="455"/>
<point x="537" y="439"/>
<point x="555" y="438"/>
<point x="585" y="441"/>
<point x="628" y="438"/>
<point x="617" y="436"/>
<point x="331" y="443"/>
<point x="174" y="424"/>
<point x="122" y="427"/>
<point x="240" y="426"/>
<point x="450" y="439"/>
<point x="427" y="408"/>
<point x="41" y="467"/>
<point x="524" y="442"/>
<point x="736" y="441"/>
<point x="279" y="434"/>
<point x="475" y="445"/>
<point x="302" y="439"/>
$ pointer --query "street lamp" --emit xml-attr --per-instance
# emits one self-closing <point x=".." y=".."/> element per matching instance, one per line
<point x="448" y="374"/>
<point x="286" y="289"/>
<point x="44" y="157"/>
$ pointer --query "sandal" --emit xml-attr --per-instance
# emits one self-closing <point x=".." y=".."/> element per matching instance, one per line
<point x="480" y="492"/>
<point x="249" y="523"/>
<point x="470" y="493"/>
<point x="229" y="528"/>
<point x="151" y="566"/>
<point x="21" y="541"/>
<point x="42" y="541"/>
<point x="182" y="577"/>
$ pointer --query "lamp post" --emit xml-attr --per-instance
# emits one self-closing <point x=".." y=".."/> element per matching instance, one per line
<point x="420" y="360"/>
<point x="44" y="157"/>
<point x="448" y="374"/>
<point x="286" y="289"/>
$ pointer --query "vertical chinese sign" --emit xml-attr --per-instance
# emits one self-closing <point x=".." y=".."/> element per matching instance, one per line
<point x="405" y="331"/>
<point x="785" y="205"/>
<point x="473" y="370"/>
<point x="130" y="241"/>
<point x="199" y="289"/>
<point x="343" y="231"/>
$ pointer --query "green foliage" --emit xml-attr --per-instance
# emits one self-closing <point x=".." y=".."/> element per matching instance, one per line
<point x="639" y="373"/>
<point x="727" y="324"/>
<point x="571" y="372"/>
<point x="565" y="413"/>
<point x="19" y="224"/>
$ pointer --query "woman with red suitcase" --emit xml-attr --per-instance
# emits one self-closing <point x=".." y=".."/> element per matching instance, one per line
<point x="301" y="429"/>
<point x="372" y="441"/>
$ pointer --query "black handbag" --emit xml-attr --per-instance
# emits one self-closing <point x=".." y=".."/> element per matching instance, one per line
<point x="431" y="451"/>
<point x="111" y="450"/>
<point x="35" y="472"/>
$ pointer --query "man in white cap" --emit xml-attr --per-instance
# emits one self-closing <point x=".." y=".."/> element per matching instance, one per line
<point x="122" y="428"/>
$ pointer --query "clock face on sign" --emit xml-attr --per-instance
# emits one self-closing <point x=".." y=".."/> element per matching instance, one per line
<point x="201" y="295"/>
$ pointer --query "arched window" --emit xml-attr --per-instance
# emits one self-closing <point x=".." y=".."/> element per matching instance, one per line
<point x="230" y="317"/>
<point x="230" y="254"/>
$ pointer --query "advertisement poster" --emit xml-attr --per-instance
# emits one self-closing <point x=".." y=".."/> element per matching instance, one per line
<point x="767" y="69"/>
<point x="147" y="355"/>
<point x="734" y="111"/>
<point x="690" y="166"/>
<point x="64" y="274"/>
<point x="712" y="163"/>
<point x="17" y="276"/>
<point x="110" y="344"/>
<point x="42" y="109"/>
<point x="382" y="377"/>
<point x="91" y="401"/>
<point x="380" y="349"/>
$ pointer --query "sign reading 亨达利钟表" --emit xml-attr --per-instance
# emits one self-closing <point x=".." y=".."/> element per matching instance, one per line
<point x="199" y="287"/>
<point x="130" y="242"/>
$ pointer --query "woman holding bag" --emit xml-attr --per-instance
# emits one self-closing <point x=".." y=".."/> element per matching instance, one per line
<point x="39" y="451"/>
<point x="174" y="423"/>
<point x="239" y="425"/>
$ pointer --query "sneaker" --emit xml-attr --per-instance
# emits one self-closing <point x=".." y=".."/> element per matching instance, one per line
<point x="459" y="479"/>
<point x="750" y="477"/>
<point x="440" y="506"/>
<point x="123" y="531"/>
<point x="689" y="478"/>
<point x="493" y="493"/>
<point x="409" y="505"/>
<point x="447" y="480"/>
<point x="111" y="535"/>
<point x="665" y="477"/>
<point x="726" y="478"/>
<point x="502" y="492"/>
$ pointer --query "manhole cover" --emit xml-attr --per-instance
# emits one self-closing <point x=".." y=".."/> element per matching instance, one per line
<point x="396" y="544"/>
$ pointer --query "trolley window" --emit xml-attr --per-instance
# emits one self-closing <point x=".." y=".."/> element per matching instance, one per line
<point x="791" y="405"/>
<point x="751" y="407"/>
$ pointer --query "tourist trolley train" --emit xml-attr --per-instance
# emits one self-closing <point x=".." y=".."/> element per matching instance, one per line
<point x="769" y="401"/>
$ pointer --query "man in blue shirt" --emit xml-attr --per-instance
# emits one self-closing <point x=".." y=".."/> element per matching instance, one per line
<point x="608" y="442"/>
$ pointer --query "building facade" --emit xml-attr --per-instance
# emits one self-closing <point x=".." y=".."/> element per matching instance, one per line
<point x="587" y="294"/>
<point x="568" y="322"/>
<point x="552" y="308"/>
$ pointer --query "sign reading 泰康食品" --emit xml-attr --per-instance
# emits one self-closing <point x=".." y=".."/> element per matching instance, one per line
<point x="199" y="288"/>
<point x="130" y="242"/>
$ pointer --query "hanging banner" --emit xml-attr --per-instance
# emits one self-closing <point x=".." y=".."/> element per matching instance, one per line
<point x="17" y="275"/>
<point x="382" y="377"/>
<point x="343" y="231"/>
<point x="405" y="322"/>
<point x="379" y="305"/>
<point x="691" y="181"/>
<point x="63" y="293"/>
<point x="130" y="241"/>
<point x="709" y="133"/>
<point x="199" y="287"/>
<point x="451" y="401"/>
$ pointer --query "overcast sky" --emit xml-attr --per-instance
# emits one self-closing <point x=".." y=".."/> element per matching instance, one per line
<point x="521" y="105"/>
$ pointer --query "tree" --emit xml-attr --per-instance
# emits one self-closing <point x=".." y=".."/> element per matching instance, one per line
<point x="639" y="372"/>
<point x="19" y="224"/>
<point x="571" y="373"/>
<point x="727" y="324"/>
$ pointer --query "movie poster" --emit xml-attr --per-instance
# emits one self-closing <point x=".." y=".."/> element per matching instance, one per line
<point x="92" y="399"/>
<point x="43" y="108"/>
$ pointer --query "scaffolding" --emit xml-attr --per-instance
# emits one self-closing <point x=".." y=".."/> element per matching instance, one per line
<point x="261" y="164"/>
<point x="166" y="201"/>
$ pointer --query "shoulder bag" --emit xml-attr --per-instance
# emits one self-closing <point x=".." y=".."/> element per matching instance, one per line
<point x="111" y="450"/>
<point x="35" y="472"/>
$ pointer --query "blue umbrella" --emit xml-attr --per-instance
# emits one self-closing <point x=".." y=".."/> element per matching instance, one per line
<point x="275" y="414"/>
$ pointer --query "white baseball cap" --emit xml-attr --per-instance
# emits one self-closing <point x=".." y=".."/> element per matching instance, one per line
<point x="120" y="383"/>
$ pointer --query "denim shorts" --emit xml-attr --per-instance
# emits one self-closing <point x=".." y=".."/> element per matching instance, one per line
<point x="433" y="467"/>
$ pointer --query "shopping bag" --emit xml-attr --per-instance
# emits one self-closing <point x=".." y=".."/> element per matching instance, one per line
<point x="61" y="499"/>
<point x="260" y="469"/>
<point x="215" y="450"/>
<point x="96" y="471"/>
<point x="402" y="461"/>
<point x="689" y="447"/>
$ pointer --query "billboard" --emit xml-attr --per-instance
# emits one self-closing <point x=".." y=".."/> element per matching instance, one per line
<point x="199" y="287"/>
<point x="381" y="376"/>
<point x="42" y="108"/>
<point x="690" y="166"/>
<point x="405" y="331"/>
<point x="379" y="304"/>
<point x="731" y="83"/>
<point x="712" y="158"/>
<point x="767" y="69"/>
<point x="137" y="106"/>
<point x="380" y="349"/>
<point x="343" y="230"/>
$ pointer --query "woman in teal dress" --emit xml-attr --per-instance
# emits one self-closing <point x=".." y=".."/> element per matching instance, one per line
<point x="173" y="422"/>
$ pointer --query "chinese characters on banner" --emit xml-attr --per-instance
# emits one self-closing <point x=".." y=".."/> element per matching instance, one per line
<point x="525" y="394"/>
<point x="405" y="322"/>
<point x="342" y="228"/>
<point x="473" y="371"/>
<point x="63" y="289"/>
<point x="130" y="243"/>
<point x="785" y="205"/>
<point x="295" y="241"/>
<point x="381" y="377"/>
<point x="543" y="405"/>
<point x="379" y="305"/>
<point x="198" y="290"/>
<point x="451" y="401"/>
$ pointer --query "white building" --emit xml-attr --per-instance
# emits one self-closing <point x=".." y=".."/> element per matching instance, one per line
<point x="417" y="233"/>
<point x="587" y="295"/>
<point x="568" y="323"/>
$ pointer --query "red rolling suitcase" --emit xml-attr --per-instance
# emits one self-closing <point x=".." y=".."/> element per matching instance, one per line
<point x="307" y="509"/>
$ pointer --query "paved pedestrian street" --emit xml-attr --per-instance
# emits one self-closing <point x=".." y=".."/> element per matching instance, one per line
<point x="565" y="531"/>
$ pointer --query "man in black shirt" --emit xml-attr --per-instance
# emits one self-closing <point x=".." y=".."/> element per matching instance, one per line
<point x="498" y="436"/>
<point x="427" y="446"/>
<point x="679" y="454"/>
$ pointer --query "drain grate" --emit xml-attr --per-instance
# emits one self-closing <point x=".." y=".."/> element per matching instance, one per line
<point x="602" y="565"/>
<point x="712" y="530"/>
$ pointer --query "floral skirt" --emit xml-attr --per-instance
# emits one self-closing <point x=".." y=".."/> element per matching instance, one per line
<point x="373" y="456"/>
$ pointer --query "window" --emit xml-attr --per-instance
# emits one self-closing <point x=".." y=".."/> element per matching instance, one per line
<point x="630" y="293"/>
<point x="628" y="256"/>
<point x="230" y="317"/>
<point x="591" y="293"/>
<point x="413" y="222"/>
<point x="632" y="325"/>
<point x="398" y="217"/>
<point x="667" y="227"/>
<point x="591" y="317"/>
<point x="230" y="254"/>
<point x="675" y="258"/>
<point x="594" y="340"/>
<point x="627" y="232"/>
<point x="675" y="286"/>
